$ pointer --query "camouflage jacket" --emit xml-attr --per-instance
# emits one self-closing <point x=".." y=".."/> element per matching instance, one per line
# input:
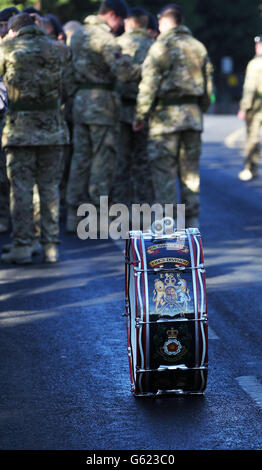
<point x="136" y="43"/>
<point x="31" y="65"/>
<point x="97" y="62"/>
<point x="252" y="90"/>
<point x="176" y="83"/>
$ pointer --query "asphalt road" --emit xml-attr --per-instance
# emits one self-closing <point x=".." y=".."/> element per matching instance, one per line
<point x="64" y="369"/>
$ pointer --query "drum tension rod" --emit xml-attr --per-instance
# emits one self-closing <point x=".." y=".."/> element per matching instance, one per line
<point x="170" y="368"/>
<point x="140" y="323"/>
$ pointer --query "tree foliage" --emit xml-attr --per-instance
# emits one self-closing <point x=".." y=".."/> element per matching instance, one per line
<point x="49" y="5"/>
<point x="18" y="4"/>
<point x="228" y="29"/>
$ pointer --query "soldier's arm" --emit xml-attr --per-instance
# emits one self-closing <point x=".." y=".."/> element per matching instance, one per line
<point x="121" y="65"/>
<point x="67" y="72"/>
<point x="67" y="80"/>
<point x="154" y="67"/>
<point x="71" y="77"/>
<point x="249" y="89"/>
<point x="208" y="84"/>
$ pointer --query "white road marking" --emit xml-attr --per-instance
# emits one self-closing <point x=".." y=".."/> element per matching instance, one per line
<point x="236" y="138"/>
<point x="252" y="387"/>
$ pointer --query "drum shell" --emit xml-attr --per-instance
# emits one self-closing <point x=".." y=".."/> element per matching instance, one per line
<point x="168" y="335"/>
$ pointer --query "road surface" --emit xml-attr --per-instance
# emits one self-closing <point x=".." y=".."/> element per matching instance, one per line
<point x="64" y="369"/>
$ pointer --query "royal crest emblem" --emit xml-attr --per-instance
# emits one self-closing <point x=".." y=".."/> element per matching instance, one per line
<point x="171" y="295"/>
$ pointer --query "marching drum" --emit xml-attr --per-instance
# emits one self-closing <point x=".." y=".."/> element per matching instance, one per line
<point x="167" y="322"/>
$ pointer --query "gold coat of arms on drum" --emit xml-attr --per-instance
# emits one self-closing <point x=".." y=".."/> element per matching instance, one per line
<point x="171" y="295"/>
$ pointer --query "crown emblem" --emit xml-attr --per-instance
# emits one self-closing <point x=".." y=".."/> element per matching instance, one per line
<point x="168" y="279"/>
<point x="172" y="333"/>
<point x="172" y="346"/>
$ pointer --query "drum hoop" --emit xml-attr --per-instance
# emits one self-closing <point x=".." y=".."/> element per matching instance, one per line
<point x="161" y="369"/>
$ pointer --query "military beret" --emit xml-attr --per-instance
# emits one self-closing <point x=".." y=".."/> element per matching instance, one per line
<point x="118" y="6"/>
<point x="136" y="12"/>
<point x="7" y="13"/>
<point x="58" y="28"/>
<point x="258" y="39"/>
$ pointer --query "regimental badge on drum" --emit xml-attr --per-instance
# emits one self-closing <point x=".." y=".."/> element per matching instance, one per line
<point x="172" y="348"/>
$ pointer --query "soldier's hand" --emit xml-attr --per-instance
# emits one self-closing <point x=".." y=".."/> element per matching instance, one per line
<point x="138" y="126"/>
<point x="241" y="115"/>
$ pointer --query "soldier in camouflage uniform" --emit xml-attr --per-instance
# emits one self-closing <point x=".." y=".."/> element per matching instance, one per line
<point x="4" y="184"/>
<point x="174" y="92"/>
<point x="132" y="179"/>
<point x="97" y="61"/>
<point x="251" y="111"/>
<point x="5" y="15"/>
<point x="34" y="133"/>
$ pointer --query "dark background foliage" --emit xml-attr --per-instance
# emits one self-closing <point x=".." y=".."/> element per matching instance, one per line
<point x="227" y="28"/>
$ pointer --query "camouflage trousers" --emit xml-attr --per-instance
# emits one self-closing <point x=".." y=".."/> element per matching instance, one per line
<point x="26" y="167"/>
<point x="132" y="182"/>
<point x="172" y="156"/>
<point x="252" y="147"/>
<point x="4" y="199"/>
<point x="92" y="165"/>
<point x="68" y="150"/>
